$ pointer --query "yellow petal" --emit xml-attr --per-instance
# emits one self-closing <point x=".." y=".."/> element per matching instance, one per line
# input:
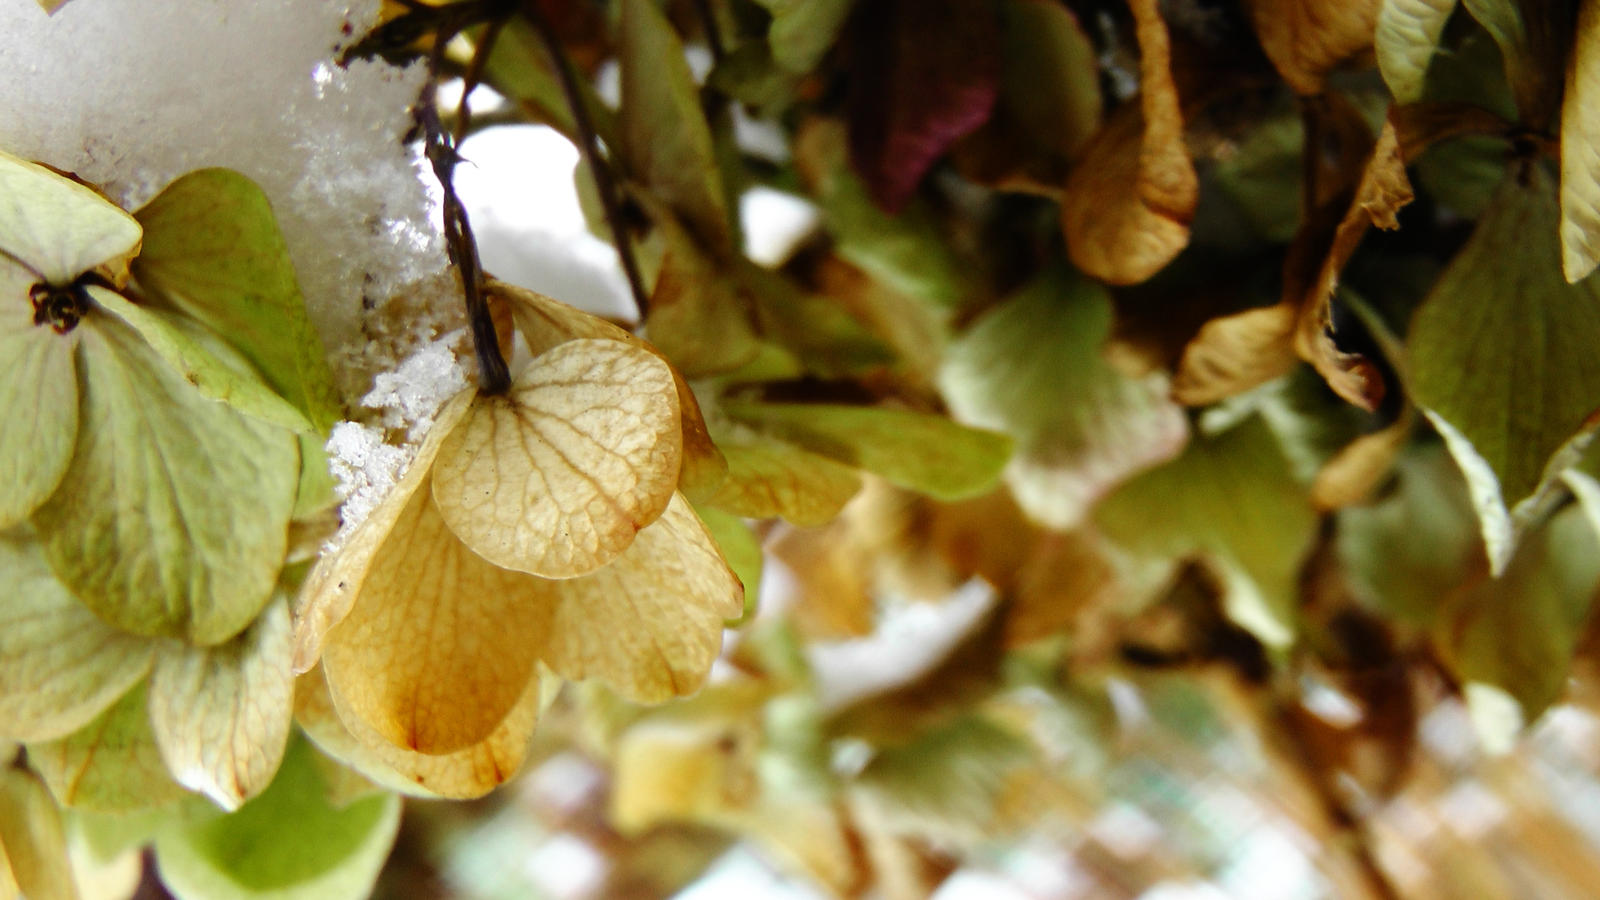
<point x="544" y="323"/>
<point x="31" y="835"/>
<point x="649" y="624"/>
<point x="331" y="588"/>
<point x="556" y="477"/>
<point x="440" y="644"/>
<point x="221" y="714"/>
<point x="1580" y="150"/>
<point x="1128" y="202"/>
<point x="59" y="228"/>
<point x="469" y="772"/>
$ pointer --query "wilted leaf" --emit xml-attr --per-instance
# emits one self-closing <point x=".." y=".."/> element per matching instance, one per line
<point x="60" y="229"/>
<point x="110" y="765"/>
<point x="440" y="644"/>
<point x="1351" y="475"/>
<point x="1502" y="358"/>
<point x="803" y="30"/>
<point x="923" y="74"/>
<point x="39" y="400"/>
<point x="287" y="844"/>
<point x="59" y="665"/>
<point x="824" y="335"/>
<point x="1032" y="369"/>
<point x="665" y="140"/>
<point x="198" y="358"/>
<point x="556" y="477"/>
<point x="336" y="580"/>
<point x="1231" y="500"/>
<point x="210" y="489"/>
<point x="213" y="251"/>
<point x="768" y="478"/>
<point x="922" y="452"/>
<point x="221" y="714"/>
<point x="466" y="773"/>
<point x="835" y="576"/>
<point x="31" y="835"/>
<point x="544" y="323"/>
<point x="948" y="781"/>
<point x="1129" y="200"/>
<point x="1064" y="575"/>
<point x="1517" y="632"/>
<point x="1580" y="150"/>
<point x="649" y="624"/>
<point x="1307" y="39"/>
<point x="1407" y="35"/>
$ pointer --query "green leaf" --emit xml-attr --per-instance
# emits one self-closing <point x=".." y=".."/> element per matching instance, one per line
<point x="110" y="765"/>
<point x="1032" y="368"/>
<point x="59" y="228"/>
<point x="60" y="667"/>
<point x="31" y="836"/>
<point x="665" y="139"/>
<point x="287" y="844"/>
<point x="802" y="31"/>
<point x="1517" y="632"/>
<point x="1503" y="362"/>
<point x="948" y="780"/>
<point x="173" y="517"/>
<point x="1408" y="33"/>
<point x="741" y="548"/>
<point x="212" y="250"/>
<point x="1232" y="500"/>
<point x="39" y="403"/>
<point x="922" y="452"/>
<point x="221" y="714"/>
<point x="196" y="356"/>
<point x="1503" y="20"/>
<point x="316" y="488"/>
<point x="768" y="478"/>
<point x="1406" y="552"/>
<point x="827" y="339"/>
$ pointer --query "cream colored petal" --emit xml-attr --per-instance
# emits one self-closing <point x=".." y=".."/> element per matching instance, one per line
<point x="38" y="399"/>
<point x="1580" y="150"/>
<point x="440" y="644"/>
<point x="556" y="477"/>
<point x="60" y="666"/>
<point x="221" y="714"/>
<point x="331" y="588"/>
<point x="650" y="624"/>
<point x="32" y="837"/>
<point x="59" y="228"/>
<point x="469" y="772"/>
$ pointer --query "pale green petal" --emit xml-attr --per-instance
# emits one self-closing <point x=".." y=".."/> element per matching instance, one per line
<point x="39" y="404"/>
<point x="221" y="714"/>
<point x="173" y="518"/>
<point x="771" y="478"/>
<point x="1503" y="359"/>
<point x="1032" y="368"/>
<point x="212" y="249"/>
<point x="57" y="227"/>
<point x="201" y="360"/>
<point x="110" y="765"/>
<point x="59" y="665"/>
<point x="803" y="30"/>
<point x="287" y="844"/>
<point x="1408" y="33"/>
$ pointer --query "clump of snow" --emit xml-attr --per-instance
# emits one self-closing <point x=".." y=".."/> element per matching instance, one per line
<point x="131" y="95"/>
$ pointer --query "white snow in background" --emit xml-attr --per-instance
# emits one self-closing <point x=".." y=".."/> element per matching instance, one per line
<point x="130" y="95"/>
<point x="516" y="184"/>
<point x="776" y="222"/>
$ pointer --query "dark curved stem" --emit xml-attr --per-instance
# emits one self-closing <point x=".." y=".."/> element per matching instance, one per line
<point x="589" y="146"/>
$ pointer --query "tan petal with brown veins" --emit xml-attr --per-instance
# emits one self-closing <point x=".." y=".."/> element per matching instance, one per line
<point x="650" y="624"/>
<point x="440" y="644"/>
<point x="1307" y="39"/>
<point x="556" y="477"/>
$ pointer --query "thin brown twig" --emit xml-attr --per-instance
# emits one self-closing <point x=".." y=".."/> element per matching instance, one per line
<point x="589" y="146"/>
<point x="474" y="74"/>
<point x="494" y="376"/>
<point x="708" y="24"/>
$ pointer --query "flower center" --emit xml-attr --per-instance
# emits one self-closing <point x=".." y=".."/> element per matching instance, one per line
<point x="60" y="306"/>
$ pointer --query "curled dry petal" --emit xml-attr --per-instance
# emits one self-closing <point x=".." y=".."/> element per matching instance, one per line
<point x="1580" y="150"/>
<point x="1128" y="202"/>
<point x="556" y="477"/>
<point x="1235" y="353"/>
<point x="1307" y="39"/>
